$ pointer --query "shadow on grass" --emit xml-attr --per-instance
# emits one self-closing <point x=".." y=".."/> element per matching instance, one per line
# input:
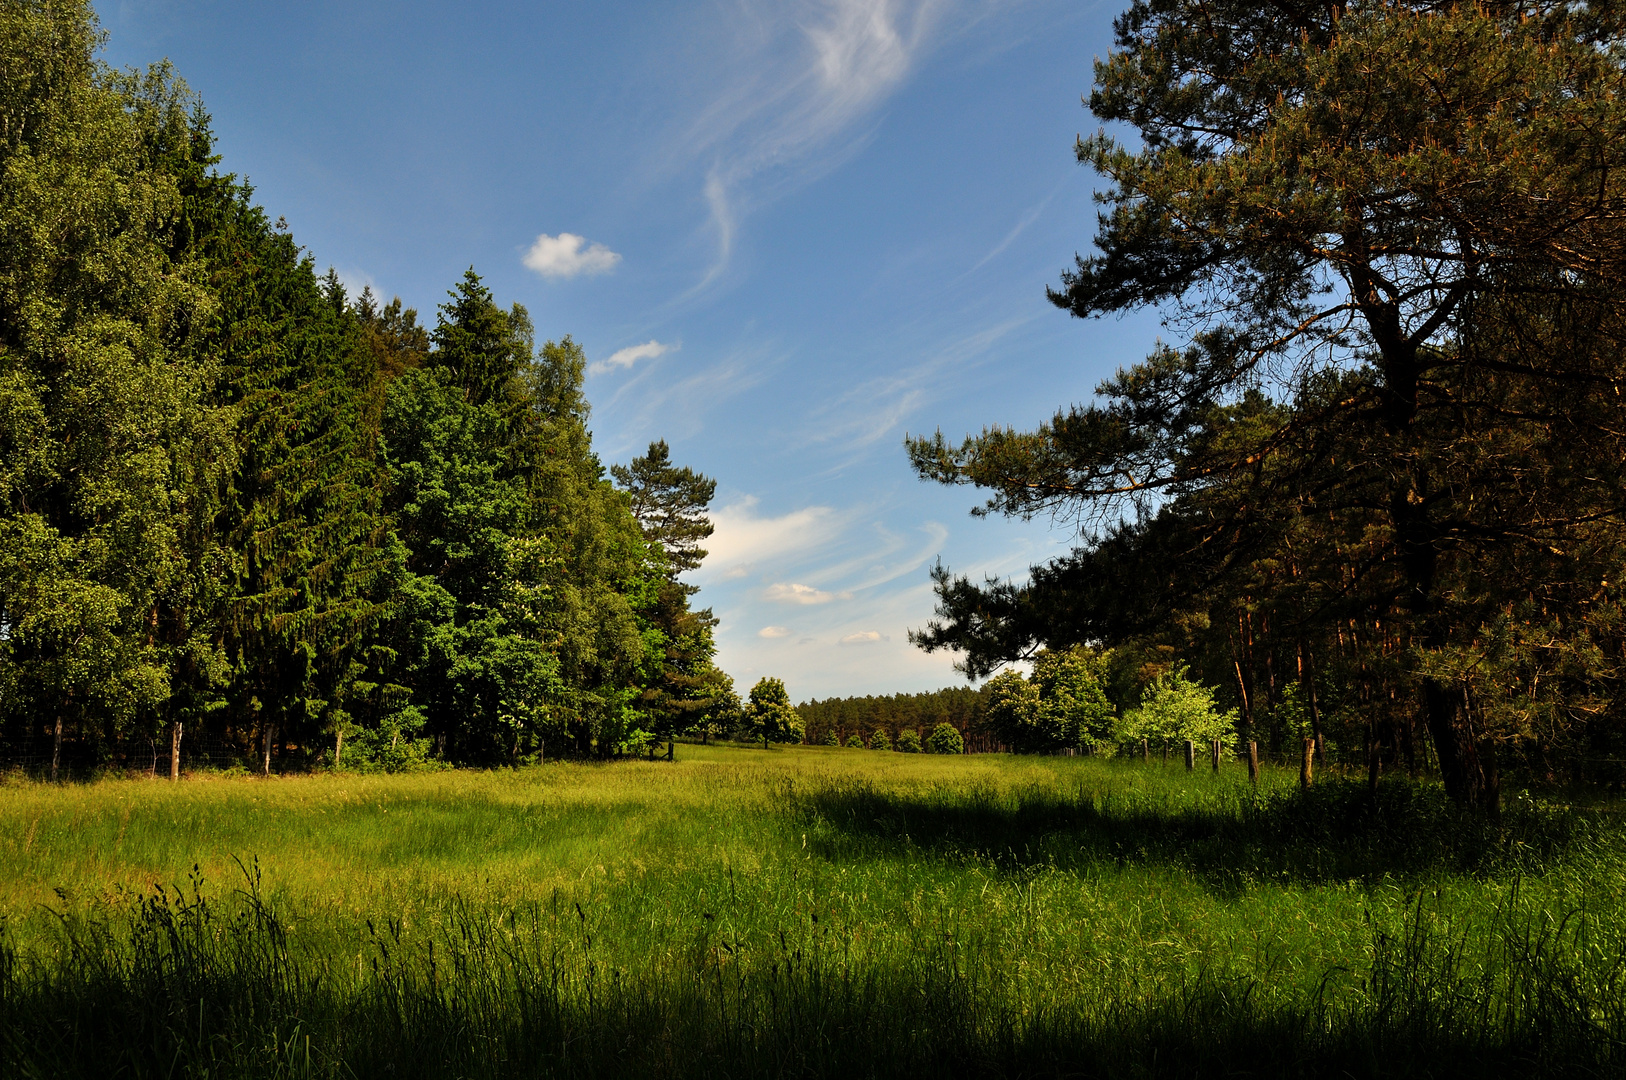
<point x="192" y="987"/>
<point x="1228" y="836"/>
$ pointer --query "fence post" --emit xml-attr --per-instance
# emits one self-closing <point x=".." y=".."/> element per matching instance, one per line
<point x="1145" y="751"/>
<point x="338" y="746"/>
<point x="265" y="763"/>
<point x="1216" y="749"/>
<point x="671" y="746"/>
<point x="1253" y="762"/>
<point x="1191" y="755"/>
<point x="175" y="751"/>
<point x="1307" y="764"/>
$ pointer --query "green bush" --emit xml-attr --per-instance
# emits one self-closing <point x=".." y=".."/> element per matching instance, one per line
<point x="855" y="741"/>
<point x="879" y="741"/>
<point x="908" y="741"/>
<point x="945" y="739"/>
<point x="1175" y="708"/>
<point x="829" y="738"/>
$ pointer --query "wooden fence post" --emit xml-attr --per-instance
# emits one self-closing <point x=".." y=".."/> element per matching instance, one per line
<point x="1253" y="762"/>
<point x="1145" y="750"/>
<point x="56" y="749"/>
<point x="1216" y="749"/>
<point x="1307" y="764"/>
<point x="1191" y="755"/>
<point x="175" y="751"/>
<point x="265" y="763"/>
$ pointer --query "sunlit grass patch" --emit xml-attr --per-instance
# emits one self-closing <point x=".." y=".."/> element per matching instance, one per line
<point x="799" y="911"/>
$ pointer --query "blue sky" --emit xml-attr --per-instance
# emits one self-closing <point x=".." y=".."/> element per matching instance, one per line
<point x="785" y="233"/>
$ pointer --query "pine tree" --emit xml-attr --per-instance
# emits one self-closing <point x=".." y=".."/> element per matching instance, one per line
<point x="670" y="505"/>
<point x="1404" y="221"/>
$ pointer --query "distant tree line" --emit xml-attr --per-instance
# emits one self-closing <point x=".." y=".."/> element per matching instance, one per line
<point x="1376" y="493"/>
<point x="837" y="721"/>
<point x="236" y="500"/>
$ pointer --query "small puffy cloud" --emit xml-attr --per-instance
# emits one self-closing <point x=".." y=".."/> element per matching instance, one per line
<point x="864" y="637"/>
<point x="568" y="255"/>
<point x="774" y="632"/>
<point x="786" y="593"/>
<point x="625" y="358"/>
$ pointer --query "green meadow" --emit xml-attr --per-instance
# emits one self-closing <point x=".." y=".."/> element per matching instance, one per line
<point x="806" y="911"/>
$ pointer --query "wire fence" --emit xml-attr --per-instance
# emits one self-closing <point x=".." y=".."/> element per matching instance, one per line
<point x="81" y="756"/>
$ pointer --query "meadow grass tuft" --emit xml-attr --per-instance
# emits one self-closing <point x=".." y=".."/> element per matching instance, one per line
<point x="805" y="912"/>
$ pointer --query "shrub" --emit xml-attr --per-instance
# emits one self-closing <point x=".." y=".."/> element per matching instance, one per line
<point x="829" y="738"/>
<point x="908" y="741"/>
<point x="879" y="741"/>
<point x="945" y="739"/>
<point x="855" y="741"/>
<point x="1174" y="708"/>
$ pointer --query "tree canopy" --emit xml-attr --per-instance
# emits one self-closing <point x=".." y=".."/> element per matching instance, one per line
<point x="1390" y="236"/>
<point x="235" y="500"/>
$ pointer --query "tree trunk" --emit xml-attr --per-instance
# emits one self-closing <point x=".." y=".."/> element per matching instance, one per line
<point x="1466" y="779"/>
<point x="1307" y="680"/>
<point x="338" y="746"/>
<point x="175" y="751"/>
<point x="265" y="764"/>
<point x="1374" y="763"/>
<point x="56" y="749"/>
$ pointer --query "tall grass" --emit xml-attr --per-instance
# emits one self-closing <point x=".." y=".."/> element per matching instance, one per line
<point x="805" y="913"/>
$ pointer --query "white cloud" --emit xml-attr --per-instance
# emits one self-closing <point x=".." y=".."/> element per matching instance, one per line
<point x="625" y="358"/>
<point x="787" y="593"/>
<point x="680" y="408"/>
<point x="774" y="632"/>
<point x="742" y="539"/>
<point x="563" y="256"/>
<point x="808" y="74"/>
<point x="864" y="637"/>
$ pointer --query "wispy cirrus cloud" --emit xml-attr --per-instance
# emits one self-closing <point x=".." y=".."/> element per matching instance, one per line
<point x="811" y="75"/>
<point x="625" y="358"/>
<point x="744" y="538"/>
<point x="568" y="255"/>
<point x="877" y="408"/>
